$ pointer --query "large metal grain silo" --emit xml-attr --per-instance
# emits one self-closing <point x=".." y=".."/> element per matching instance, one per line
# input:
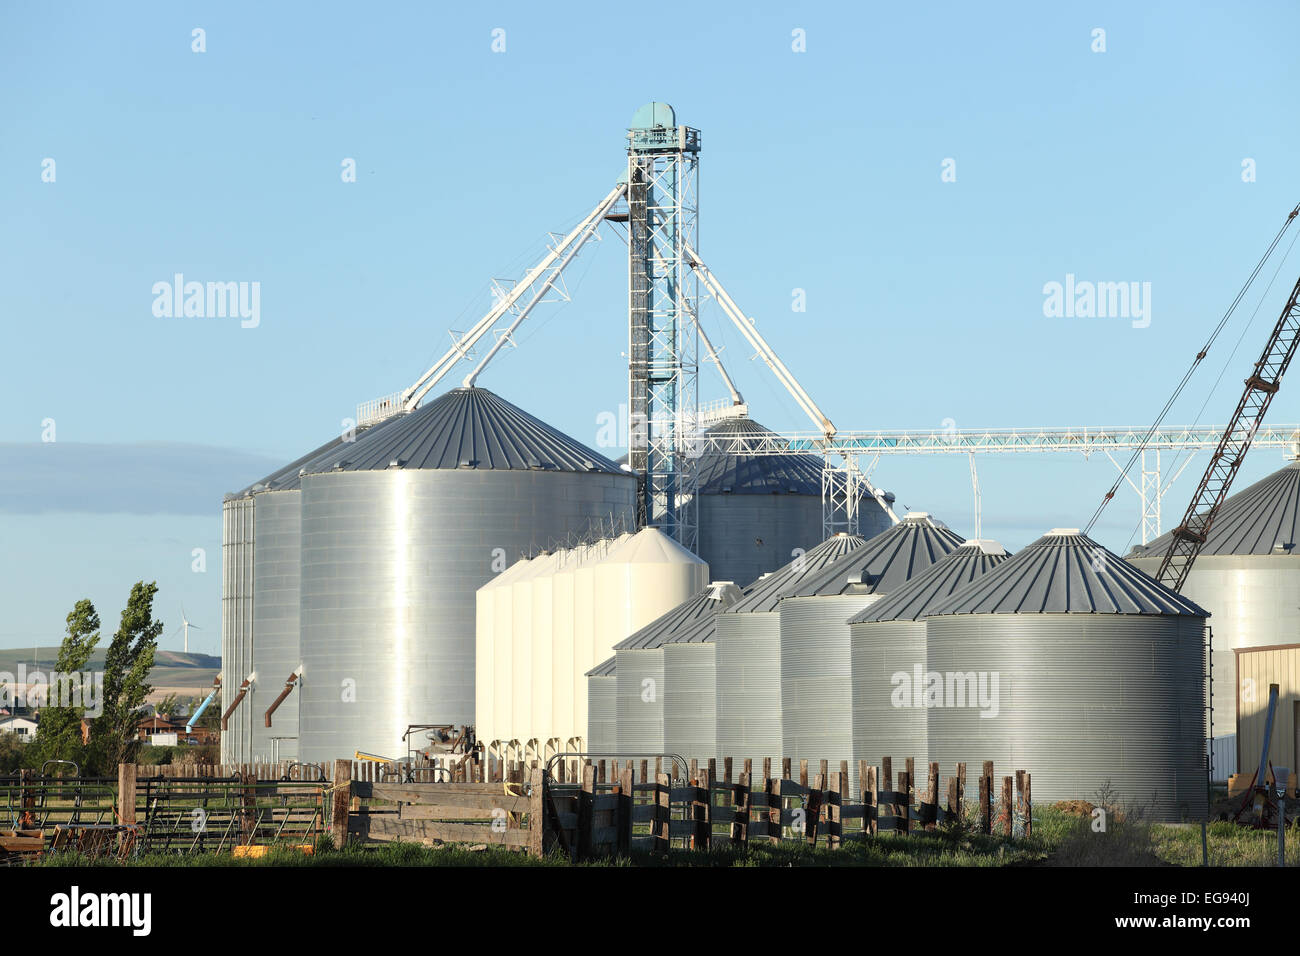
<point x="690" y="687"/>
<point x="755" y="510"/>
<point x="816" y="688"/>
<point x="397" y="535"/>
<point x="260" y="554"/>
<point x="1070" y="663"/>
<point x="748" y="657"/>
<point x="602" y="717"/>
<point x="641" y="685"/>
<point x="1248" y="577"/>
<point x="887" y="639"/>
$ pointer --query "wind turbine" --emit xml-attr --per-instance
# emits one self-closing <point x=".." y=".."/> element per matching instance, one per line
<point x="187" y="625"/>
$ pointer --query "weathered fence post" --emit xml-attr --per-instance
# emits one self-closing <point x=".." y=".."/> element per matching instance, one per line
<point x="932" y="797"/>
<point x="1029" y="808"/>
<point x="625" y="804"/>
<point x="871" y="801"/>
<point x="126" y="796"/>
<point x="1005" y="816"/>
<point x="662" y="816"/>
<point x="342" y="801"/>
<point x="536" y="814"/>
<point x="835" y="815"/>
<point x="740" y="805"/>
<point x="986" y="798"/>
<point x="772" y="789"/>
<point x="586" y="811"/>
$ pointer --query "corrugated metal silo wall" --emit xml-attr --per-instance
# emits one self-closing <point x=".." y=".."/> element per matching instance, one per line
<point x="236" y="621"/>
<point x="878" y="651"/>
<point x="1252" y="600"/>
<point x="690" y="696"/>
<point x="745" y="536"/>
<point x="749" y="688"/>
<point x="275" y="622"/>
<point x="639" y="701"/>
<point x="602" y="719"/>
<point x="390" y="564"/>
<point x="816" y="684"/>
<point x="1082" y="699"/>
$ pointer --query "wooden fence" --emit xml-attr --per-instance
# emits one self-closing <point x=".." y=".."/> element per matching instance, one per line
<point x="610" y="809"/>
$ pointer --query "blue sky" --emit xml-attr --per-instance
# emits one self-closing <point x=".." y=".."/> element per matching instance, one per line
<point x="820" y="171"/>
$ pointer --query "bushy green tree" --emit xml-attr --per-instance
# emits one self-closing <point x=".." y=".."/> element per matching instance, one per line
<point x="129" y="659"/>
<point x="58" y="735"/>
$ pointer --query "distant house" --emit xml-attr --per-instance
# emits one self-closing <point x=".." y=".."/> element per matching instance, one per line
<point x="24" y="727"/>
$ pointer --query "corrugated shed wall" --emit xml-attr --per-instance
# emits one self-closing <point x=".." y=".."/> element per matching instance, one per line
<point x="1258" y="668"/>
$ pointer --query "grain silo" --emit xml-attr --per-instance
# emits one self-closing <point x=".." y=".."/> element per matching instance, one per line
<point x="755" y="510"/>
<point x="493" y="681"/>
<point x="690" y="689"/>
<point x="602" y="721"/>
<point x="816" y="689"/>
<point x="887" y="638"/>
<point x="747" y="643"/>
<point x="639" y="669"/>
<point x="1072" y="664"/>
<point x="398" y="532"/>
<point x="1248" y="577"/>
<point x="260" y="606"/>
<point x="637" y="581"/>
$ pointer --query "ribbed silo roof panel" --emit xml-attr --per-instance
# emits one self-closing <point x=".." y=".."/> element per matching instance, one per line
<point x="913" y="600"/>
<point x="686" y="617"/>
<point x="603" y="669"/>
<point x="1066" y="572"/>
<point x="765" y="593"/>
<point x="725" y="472"/>
<point x="1253" y="521"/>
<point x="886" y="561"/>
<point x="469" y="428"/>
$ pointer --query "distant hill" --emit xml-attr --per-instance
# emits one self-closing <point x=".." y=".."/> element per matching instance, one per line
<point x="174" y="672"/>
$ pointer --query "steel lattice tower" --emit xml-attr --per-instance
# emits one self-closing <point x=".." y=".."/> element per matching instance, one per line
<point x="663" y="295"/>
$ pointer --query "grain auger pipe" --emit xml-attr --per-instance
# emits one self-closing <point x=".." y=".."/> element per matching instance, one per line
<point x="244" y="688"/>
<point x="207" y="702"/>
<point x="288" y="689"/>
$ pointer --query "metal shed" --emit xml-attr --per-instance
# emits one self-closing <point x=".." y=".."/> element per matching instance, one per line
<point x="1248" y="577"/>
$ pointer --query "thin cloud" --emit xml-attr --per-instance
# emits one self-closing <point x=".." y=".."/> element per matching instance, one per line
<point x="151" y="478"/>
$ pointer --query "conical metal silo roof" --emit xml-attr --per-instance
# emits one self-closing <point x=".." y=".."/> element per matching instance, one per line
<point x="913" y="600"/>
<point x="687" y="618"/>
<point x="1256" y="520"/>
<point x="289" y="476"/>
<point x="1067" y="572"/>
<point x="603" y="669"/>
<point x="886" y="561"/>
<point x="733" y="472"/>
<point x="765" y="593"/>
<point x="467" y="428"/>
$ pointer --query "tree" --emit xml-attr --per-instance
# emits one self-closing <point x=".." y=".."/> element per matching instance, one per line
<point x="168" y="706"/>
<point x="130" y="656"/>
<point x="58" y="736"/>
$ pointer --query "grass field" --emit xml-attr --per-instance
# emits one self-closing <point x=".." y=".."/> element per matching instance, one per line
<point x="1059" y="839"/>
